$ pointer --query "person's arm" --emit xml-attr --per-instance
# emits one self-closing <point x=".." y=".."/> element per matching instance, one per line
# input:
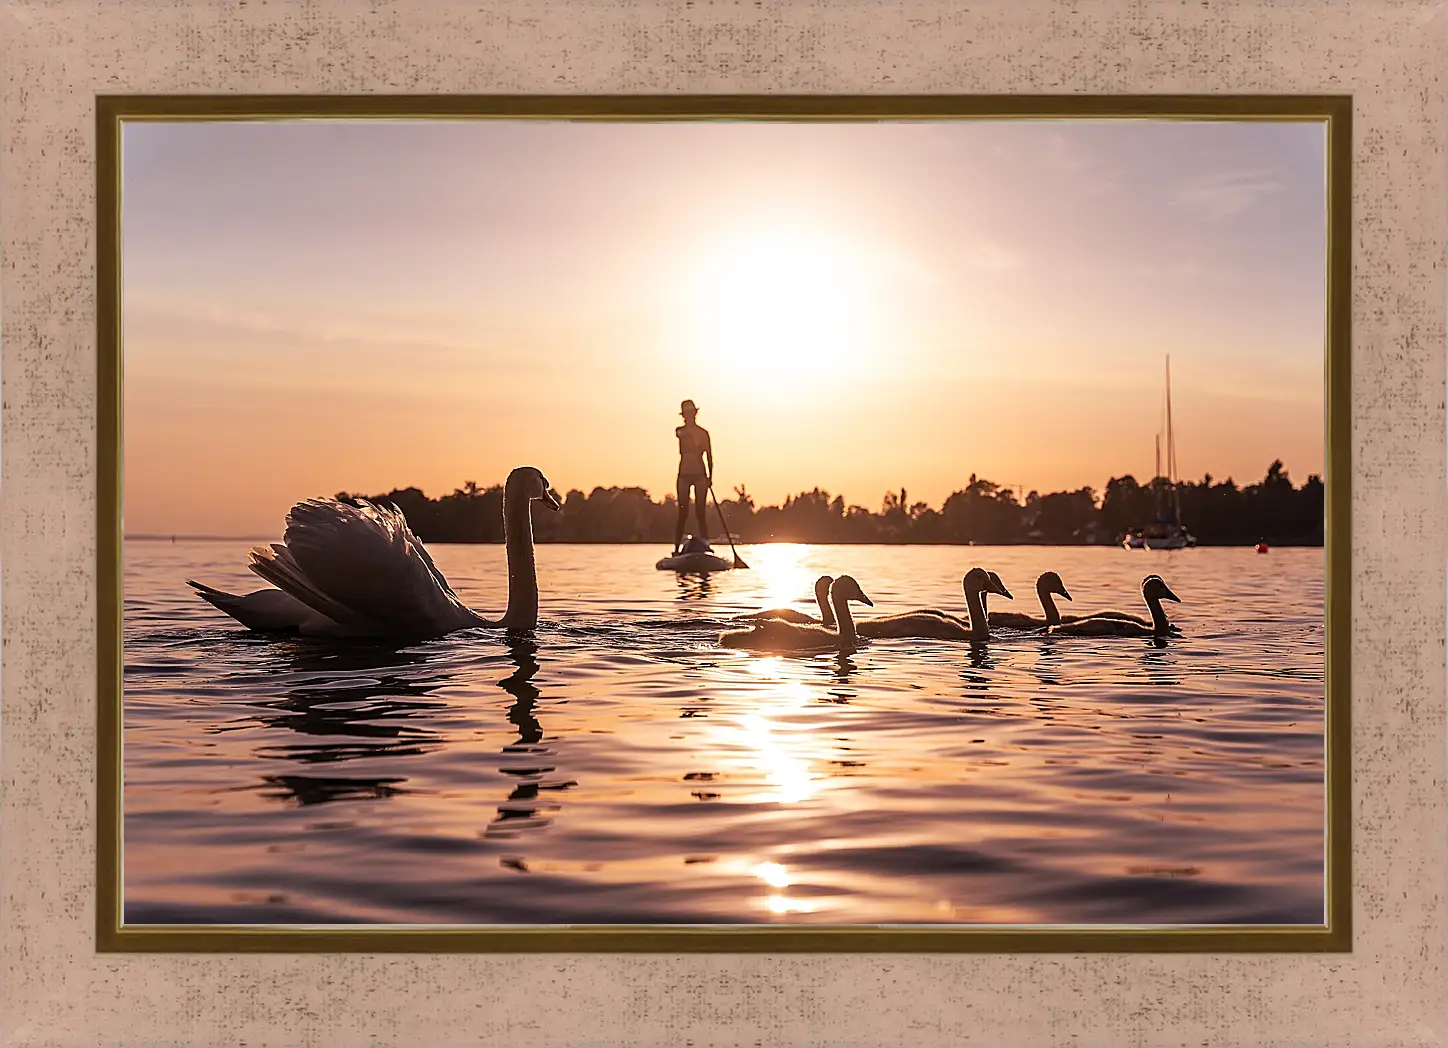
<point x="709" y="456"/>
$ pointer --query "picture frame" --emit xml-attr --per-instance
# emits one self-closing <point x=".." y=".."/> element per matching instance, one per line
<point x="1386" y="990"/>
<point x="1334" y="113"/>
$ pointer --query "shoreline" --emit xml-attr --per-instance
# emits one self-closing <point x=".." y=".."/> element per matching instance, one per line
<point x="722" y="544"/>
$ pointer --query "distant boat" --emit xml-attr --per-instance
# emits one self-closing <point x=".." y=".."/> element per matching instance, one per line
<point x="1166" y="532"/>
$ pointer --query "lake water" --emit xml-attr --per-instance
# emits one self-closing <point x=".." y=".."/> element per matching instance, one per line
<point x="620" y="767"/>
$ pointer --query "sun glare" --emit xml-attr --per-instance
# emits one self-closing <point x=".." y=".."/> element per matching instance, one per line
<point x="783" y="570"/>
<point x="781" y="305"/>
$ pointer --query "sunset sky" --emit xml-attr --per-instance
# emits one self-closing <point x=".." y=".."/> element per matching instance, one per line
<point x="312" y="307"/>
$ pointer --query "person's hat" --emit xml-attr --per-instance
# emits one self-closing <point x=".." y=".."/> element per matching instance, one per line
<point x="687" y="407"/>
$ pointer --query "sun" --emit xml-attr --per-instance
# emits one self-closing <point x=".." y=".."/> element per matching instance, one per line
<point x="781" y="306"/>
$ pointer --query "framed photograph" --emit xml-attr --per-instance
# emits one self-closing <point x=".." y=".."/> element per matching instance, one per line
<point x="363" y="689"/>
<point x="668" y="527"/>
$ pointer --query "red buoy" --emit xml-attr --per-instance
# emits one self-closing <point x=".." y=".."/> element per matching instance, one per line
<point x="1261" y="547"/>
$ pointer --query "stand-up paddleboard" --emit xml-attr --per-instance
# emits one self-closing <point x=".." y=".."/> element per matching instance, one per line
<point x="694" y="562"/>
<point x="698" y="560"/>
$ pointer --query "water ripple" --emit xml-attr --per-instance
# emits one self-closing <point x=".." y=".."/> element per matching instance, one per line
<point x="619" y="766"/>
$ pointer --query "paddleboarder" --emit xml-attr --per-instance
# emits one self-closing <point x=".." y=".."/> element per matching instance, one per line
<point x="696" y="470"/>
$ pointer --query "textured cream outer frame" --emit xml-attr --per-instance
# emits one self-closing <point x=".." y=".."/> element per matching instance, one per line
<point x="1392" y="56"/>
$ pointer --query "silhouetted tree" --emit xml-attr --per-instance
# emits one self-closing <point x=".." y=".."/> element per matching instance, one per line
<point x="981" y="512"/>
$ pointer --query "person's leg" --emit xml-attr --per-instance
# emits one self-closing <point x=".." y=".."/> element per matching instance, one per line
<point x="681" y="492"/>
<point x="701" y="498"/>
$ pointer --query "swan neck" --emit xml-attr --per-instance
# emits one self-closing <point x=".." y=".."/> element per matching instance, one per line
<point x="1048" y="605"/>
<point x="845" y="619"/>
<point x="522" y="610"/>
<point x="827" y="613"/>
<point x="979" y="627"/>
<point x="1159" y="622"/>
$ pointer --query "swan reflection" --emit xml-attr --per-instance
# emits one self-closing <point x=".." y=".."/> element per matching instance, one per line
<point x="1049" y="662"/>
<point x="844" y="667"/>
<point x="1159" y="663"/>
<point x="307" y="790"/>
<point x="521" y="810"/>
<point x="978" y="661"/>
<point x="352" y="703"/>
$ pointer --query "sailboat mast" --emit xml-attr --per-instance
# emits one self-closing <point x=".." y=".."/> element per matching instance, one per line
<point x="1170" y="436"/>
<point x="1171" y="463"/>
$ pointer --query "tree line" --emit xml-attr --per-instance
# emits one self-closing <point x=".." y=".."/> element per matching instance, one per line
<point x="1217" y="513"/>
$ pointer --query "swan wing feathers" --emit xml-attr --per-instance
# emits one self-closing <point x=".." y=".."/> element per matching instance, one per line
<point x="276" y="565"/>
<point x="1012" y="618"/>
<point x="922" y="625"/>
<point x="1120" y="616"/>
<point x="783" y="614"/>
<point x="396" y="520"/>
<point x="778" y="633"/>
<point x="264" y="611"/>
<point x="367" y="559"/>
<point x="1103" y="628"/>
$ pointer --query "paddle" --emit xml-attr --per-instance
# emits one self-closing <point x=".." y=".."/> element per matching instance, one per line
<point x="738" y="560"/>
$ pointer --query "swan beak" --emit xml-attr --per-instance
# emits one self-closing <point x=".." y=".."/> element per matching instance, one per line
<point x="1062" y="592"/>
<point x="552" y="501"/>
<point x="866" y="600"/>
<point x="1169" y="595"/>
<point x="1001" y="589"/>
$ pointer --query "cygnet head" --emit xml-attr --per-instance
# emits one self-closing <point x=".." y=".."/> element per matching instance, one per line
<point x="530" y="483"/>
<point x="978" y="580"/>
<point x="1050" y="582"/>
<point x="997" y="586"/>
<point x="1155" y="586"/>
<point x="846" y="587"/>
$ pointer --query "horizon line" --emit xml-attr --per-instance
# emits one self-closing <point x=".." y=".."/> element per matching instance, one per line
<point x="1141" y="480"/>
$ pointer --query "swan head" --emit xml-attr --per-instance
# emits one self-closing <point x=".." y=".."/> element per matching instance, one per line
<point x="978" y="580"/>
<point x="822" y="587"/>
<point x="1155" y="586"/>
<point x="530" y="483"/>
<point x="997" y="586"/>
<point x="847" y="588"/>
<point x="1050" y="582"/>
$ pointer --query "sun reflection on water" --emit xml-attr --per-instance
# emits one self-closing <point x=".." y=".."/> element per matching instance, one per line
<point x="777" y="876"/>
<point x="784" y="754"/>
<point x="772" y="874"/>
<point x="784" y="570"/>
<point x="780" y="904"/>
<point x="778" y="738"/>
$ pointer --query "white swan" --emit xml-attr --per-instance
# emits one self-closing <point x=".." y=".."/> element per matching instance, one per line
<point x="269" y="611"/>
<point x="779" y="635"/>
<point x="1153" y="590"/>
<point x="822" y="598"/>
<point x="939" y="625"/>
<point x="359" y="571"/>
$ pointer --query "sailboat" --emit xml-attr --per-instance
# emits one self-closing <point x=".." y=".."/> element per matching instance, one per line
<point x="1167" y="530"/>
